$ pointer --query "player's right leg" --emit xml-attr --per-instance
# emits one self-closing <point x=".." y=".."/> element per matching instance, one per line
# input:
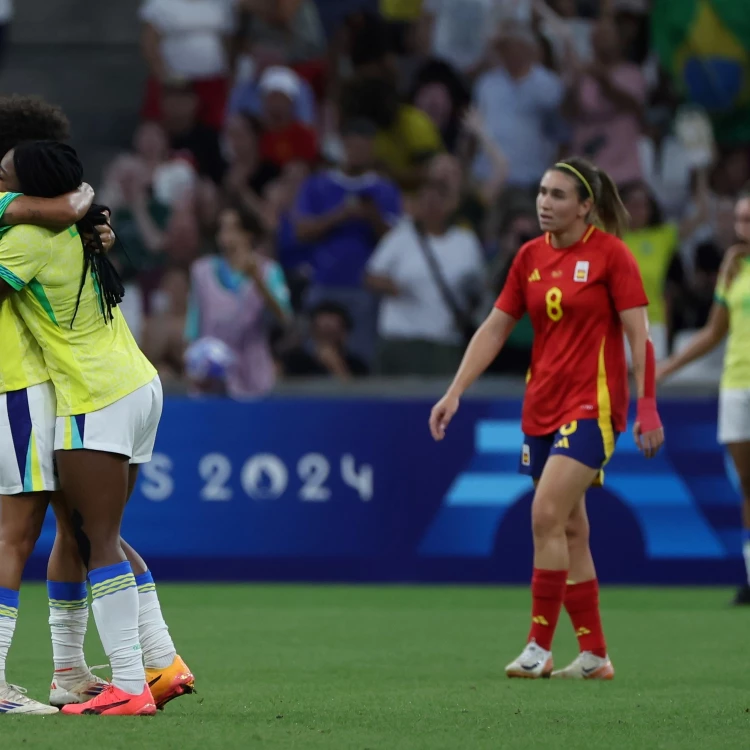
<point x="72" y="681"/>
<point x="740" y="453"/>
<point x="582" y="604"/>
<point x="26" y="478"/>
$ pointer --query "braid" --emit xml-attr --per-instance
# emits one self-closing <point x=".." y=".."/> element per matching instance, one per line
<point x="107" y="281"/>
<point x="47" y="169"/>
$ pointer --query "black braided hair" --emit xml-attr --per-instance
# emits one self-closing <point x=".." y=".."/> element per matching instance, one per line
<point x="47" y="169"/>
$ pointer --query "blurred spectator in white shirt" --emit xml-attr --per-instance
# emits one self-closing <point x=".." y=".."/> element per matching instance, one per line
<point x="519" y="101"/>
<point x="189" y="40"/>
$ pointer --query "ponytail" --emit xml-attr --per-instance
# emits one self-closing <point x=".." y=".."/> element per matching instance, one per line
<point x="610" y="210"/>
<point x="593" y="183"/>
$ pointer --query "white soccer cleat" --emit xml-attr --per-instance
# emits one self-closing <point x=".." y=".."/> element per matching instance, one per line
<point x="587" y="666"/>
<point x="533" y="663"/>
<point x="13" y="700"/>
<point x="64" y="692"/>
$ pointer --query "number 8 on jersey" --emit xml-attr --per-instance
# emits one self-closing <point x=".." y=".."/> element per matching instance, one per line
<point x="553" y="298"/>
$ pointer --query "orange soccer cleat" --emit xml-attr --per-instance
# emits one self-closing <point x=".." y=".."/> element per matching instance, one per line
<point x="115" y="702"/>
<point x="170" y="683"/>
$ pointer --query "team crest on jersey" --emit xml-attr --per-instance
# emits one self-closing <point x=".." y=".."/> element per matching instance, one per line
<point x="526" y="455"/>
<point x="582" y="271"/>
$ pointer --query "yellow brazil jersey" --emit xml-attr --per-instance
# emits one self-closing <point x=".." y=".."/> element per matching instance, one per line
<point x="654" y="248"/>
<point x="401" y="10"/>
<point x="92" y="363"/>
<point x="737" y="357"/>
<point x="21" y="361"/>
<point x="411" y="139"/>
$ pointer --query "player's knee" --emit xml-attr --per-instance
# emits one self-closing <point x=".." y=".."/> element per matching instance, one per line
<point x="546" y="520"/>
<point x="18" y="542"/>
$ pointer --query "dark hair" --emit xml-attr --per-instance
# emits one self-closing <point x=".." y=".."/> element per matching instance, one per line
<point x="47" y="169"/>
<point x="332" y="308"/>
<point x="248" y="220"/>
<point x="29" y="118"/>
<point x="374" y="99"/>
<point x="655" y="217"/>
<point x="608" y="210"/>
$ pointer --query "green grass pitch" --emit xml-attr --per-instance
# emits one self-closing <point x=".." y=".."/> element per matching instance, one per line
<point x="391" y="668"/>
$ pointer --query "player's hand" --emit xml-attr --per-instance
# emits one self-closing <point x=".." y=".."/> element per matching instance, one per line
<point x="441" y="415"/>
<point x="648" y="431"/>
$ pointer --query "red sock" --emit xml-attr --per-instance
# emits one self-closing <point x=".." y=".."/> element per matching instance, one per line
<point x="547" y="593"/>
<point x="582" y="604"/>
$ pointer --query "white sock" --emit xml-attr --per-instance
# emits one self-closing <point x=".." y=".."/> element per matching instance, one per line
<point x="115" y="607"/>
<point x="68" y="619"/>
<point x="8" y="617"/>
<point x="158" y="648"/>
<point x="746" y="555"/>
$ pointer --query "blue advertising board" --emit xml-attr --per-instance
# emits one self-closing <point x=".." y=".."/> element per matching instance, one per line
<point x="356" y="490"/>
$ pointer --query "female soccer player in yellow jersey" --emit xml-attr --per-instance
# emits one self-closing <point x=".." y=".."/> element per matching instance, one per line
<point x="730" y="314"/>
<point x="108" y="406"/>
<point x="24" y="118"/>
<point x="22" y="367"/>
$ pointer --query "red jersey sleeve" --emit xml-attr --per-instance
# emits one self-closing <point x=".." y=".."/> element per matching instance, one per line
<point x="512" y="299"/>
<point x="624" y="278"/>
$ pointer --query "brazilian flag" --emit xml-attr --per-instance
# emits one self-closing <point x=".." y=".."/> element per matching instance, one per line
<point x="705" y="46"/>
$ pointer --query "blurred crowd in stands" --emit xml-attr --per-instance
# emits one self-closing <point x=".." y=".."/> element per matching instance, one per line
<point x="296" y="203"/>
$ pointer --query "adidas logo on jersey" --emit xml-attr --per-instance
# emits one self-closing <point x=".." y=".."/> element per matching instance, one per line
<point x="535" y="275"/>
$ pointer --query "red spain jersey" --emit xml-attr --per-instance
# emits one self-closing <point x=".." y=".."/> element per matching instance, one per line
<point x="573" y="296"/>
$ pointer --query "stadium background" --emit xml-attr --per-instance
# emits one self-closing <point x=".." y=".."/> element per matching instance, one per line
<point x="319" y="479"/>
<point x="330" y="479"/>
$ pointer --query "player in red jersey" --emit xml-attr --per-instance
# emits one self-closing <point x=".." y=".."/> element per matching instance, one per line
<point x="581" y="287"/>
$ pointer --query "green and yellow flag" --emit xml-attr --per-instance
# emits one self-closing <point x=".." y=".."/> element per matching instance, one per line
<point x="705" y="46"/>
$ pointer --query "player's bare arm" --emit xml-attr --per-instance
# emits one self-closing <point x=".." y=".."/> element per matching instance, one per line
<point x="54" y="213"/>
<point x="484" y="346"/>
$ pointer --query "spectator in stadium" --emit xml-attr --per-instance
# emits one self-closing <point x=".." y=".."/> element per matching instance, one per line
<point x="326" y="352"/>
<point x="247" y="174"/>
<point x="518" y="225"/>
<point x="606" y="105"/>
<point x="460" y="31"/>
<point x="293" y="25"/>
<point x="405" y="139"/>
<point x="233" y="298"/>
<point x="520" y="100"/>
<point x="180" y="105"/>
<point x="340" y="215"/>
<point x="284" y="138"/>
<point x="246" y="96"/>
<point x="429" y="273"/>
<point x="147" y="189"/>
<point x="655" y="245"/>
<point x="188" y="40"/>
<point x="164" y="331"/>
<point x="441" y="94"/>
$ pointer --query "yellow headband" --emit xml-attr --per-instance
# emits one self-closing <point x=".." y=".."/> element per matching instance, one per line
<point x="563" y="165"/>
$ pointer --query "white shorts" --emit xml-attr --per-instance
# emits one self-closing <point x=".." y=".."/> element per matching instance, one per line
<point x="27" y="439"/>
<point x="734" y="416"/>
<point x="127" y="427"/>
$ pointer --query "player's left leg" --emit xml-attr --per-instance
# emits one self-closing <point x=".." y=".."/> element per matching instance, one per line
<point x="166" y="673"/>
<point x="582" y="603"/>
<point x="561" y="486"/>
